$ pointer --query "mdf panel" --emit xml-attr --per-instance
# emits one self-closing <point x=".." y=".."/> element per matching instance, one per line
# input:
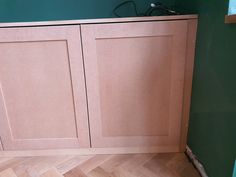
<point x="131" y="88"/>
<point x="42" y="90"/>
<point x="135" y="80"/>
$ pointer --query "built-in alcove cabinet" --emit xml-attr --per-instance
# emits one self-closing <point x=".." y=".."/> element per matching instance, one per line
<point x="112" y="83"/>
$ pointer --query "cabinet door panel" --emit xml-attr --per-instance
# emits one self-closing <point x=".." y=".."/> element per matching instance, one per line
<point x="42" y="91"/>
<point x="135" y="78"/>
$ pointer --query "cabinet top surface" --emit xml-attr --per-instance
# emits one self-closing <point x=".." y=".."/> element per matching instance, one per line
<point x="102" y="20"/>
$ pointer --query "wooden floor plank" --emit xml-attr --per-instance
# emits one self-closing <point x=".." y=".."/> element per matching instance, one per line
<point x="11" y="163"/>
<point x="8" y="173"/>
<point x="119" y="172"/>
<point x="69" y="164"/>
<point x="136" y="161"/>
<point x="158" y="162"/>
<point x="51" y="173"/>
<point x="75" y="173"/>
<point x="131" y="165"/>
<point x="93" y="162"/>
<point x="98" y="172"/>
<point x="189" y="171"/>
<point x="178" y="163"/>
<point x="116" y="160"/>
<point x="142" y="171"/>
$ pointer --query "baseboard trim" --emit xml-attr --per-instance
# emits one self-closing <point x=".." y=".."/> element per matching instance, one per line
<point x="88" y="151"/>
<point x="198" y="165"/>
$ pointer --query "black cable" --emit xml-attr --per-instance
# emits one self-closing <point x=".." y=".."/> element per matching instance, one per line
<point x="158" y="6"/>
<point x="150" y="9"/>
<point x="124" y="3"/>
<point x="161" y="8"/>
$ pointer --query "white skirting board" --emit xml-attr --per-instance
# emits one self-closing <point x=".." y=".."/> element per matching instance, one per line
<point x="196" y="162"/>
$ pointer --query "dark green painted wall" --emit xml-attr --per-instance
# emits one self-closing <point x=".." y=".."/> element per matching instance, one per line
<point x="212" y="132"/>
<point x="39" y="10"/>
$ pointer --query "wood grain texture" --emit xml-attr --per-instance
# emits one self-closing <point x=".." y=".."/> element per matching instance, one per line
<point x="125" y="165"/>
<point x="105" y="20"/>
<point x="139" y="103"/>
<point x="230" y="19"/>
<point x="188" y="76"/>
<point x="42" y="89"/>
<point x="51" y="173"/>
<point x="7" y="173"/>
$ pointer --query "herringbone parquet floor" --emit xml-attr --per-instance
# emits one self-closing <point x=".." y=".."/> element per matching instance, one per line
<point x="131" y="165"/>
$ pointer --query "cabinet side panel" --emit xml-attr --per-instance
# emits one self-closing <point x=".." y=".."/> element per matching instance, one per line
<point x="190" y="53"/>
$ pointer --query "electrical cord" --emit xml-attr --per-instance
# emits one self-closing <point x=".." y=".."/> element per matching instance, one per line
<point x="125" y="3"/>
<point x="161" y="8"/>
<point x="155" y="7"/>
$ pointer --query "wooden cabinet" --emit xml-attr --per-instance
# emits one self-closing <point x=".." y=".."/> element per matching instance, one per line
<point x="135" y="81"/>
<point x="108" y="83"/>
<point x="42" y="91"/>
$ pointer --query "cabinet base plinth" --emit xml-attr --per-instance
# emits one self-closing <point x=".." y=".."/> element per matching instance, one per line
<point x="89" y="151"/>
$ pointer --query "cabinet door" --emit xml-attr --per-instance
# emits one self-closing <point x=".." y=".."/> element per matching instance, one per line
<point x="135" y="78"/>
<point x="42" y="89"/>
